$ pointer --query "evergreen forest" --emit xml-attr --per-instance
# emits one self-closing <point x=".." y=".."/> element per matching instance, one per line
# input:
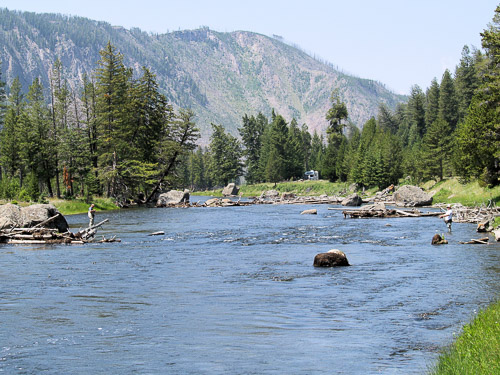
<point x="116" y="135"/>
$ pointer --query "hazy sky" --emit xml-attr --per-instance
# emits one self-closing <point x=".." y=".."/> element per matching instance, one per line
<point x="397" y="42"/>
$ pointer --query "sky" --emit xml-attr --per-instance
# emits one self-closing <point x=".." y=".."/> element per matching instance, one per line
<point x="399" y="43"/>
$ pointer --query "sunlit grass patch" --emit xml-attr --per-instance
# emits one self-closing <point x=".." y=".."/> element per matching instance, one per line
<point x="76" y="206"/>
<point x="477" y="350"/>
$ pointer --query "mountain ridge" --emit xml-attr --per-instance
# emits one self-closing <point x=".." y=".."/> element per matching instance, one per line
<point x="220" y="75"/>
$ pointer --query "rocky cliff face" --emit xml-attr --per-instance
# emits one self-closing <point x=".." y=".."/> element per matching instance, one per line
<point x="221" y="76"/>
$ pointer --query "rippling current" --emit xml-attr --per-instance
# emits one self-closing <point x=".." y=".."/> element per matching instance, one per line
<point x="233" y="291"/>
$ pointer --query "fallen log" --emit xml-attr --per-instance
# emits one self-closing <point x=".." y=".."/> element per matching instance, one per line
<point x="50" y="219"/>
<point x="38" y="234"/>
<point x="481" y="241"/>
<point x="90" y="231"/>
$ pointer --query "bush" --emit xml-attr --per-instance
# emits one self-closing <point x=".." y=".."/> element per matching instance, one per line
<point x="9" y="187"/>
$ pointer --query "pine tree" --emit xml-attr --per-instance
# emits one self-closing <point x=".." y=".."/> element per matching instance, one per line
<point x="197" y="170"/>
<point x="436" y="149"/>
<point x="225" y="151"/>
<point x="151" y="114"/>
<point x="36" y="125"/>
<point x="3" y="98"/>
<point x="360" y="173"/>
<point x="478" y="138"/>
<point x="317" y="152"/>
<point x="306" y="146"/>
<point x="448" y="107"/>
<point x="251" y="134"/>
<point x="432" y="103"/>
<point x="60" y="97"/>
<point x="274" y="162"/>
<point x="466" y="81"/>
<point x="386" y="119"/>
<point x="10" y="136"/>
<point x="416" y="110"/>
<point x="336" y="116"/>
<point x="295" y="152"/>
<point x="113" y="117"/>
<point x="175" y="141"/>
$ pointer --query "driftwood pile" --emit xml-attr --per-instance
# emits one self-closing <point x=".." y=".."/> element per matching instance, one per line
<point x="379" y="210"/>
<point x="39" y="234"/>
<point x="290" y="198"/>
<point x="480" y="241"/>
<point x="475" y="215"/>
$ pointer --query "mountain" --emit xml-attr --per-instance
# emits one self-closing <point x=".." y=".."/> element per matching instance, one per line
<point x="221" y="76"/>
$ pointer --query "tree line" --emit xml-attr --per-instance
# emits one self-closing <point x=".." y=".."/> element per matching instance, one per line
<point x="451" y="129"/>
<point x="115" y="135"/>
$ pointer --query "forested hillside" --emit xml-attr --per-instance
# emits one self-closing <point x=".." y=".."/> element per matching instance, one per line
<point x="220" y="76"/>
<point x="450" y="129"/>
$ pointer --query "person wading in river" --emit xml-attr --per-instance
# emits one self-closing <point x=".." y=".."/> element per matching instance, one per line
<point x="447" y="216"/>
<point x="91" y="215"/>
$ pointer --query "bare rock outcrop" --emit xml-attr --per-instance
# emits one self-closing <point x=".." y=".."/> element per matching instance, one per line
<point x="230" y="189"/>
<point x="172" y="198"/>
<point x="411" y="196"/>
<point x="352" y="200"/>
<point x="13" y="216"/>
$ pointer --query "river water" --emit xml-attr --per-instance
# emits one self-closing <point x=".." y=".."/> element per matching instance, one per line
<point x="233" y="291"/>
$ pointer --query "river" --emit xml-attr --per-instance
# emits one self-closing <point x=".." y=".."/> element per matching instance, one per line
<point x="233" y="291"/>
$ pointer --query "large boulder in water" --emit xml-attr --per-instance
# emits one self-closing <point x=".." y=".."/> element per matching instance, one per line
<point x="411" y="196"/>
<point x="10" y="216"/>
<point x="230" y="189"/>
<point x="35" y="214"/>
<point x="333" y="258"/>
<point x="352" y="200"/>
<point x="13" y="216"/>
<point x="172" y="198"/>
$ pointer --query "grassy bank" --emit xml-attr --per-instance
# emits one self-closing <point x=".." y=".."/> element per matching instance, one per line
<point x="78" y="206"/>
<point x="477" y="349"/>
<point x="452" y="191"/>
<point x="445" y="191"/>
<point x="301" y="188"/>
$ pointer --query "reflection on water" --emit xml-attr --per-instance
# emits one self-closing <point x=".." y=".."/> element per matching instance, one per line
<point x="233" y="290"/>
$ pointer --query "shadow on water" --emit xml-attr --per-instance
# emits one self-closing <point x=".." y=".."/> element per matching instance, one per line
<point x="233" y="290"/>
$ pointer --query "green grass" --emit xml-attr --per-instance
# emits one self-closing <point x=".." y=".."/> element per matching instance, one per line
<point x="78" y="206"/>
<point x="477" y="350"/>
<point x="471" y="194"/>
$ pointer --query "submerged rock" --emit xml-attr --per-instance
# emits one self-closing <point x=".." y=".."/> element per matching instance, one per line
<point x="438" y="240"/>
<point x="333" y="258"/>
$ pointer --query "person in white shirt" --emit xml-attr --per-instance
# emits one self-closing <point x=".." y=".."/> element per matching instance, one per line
<point x="91" y="214"/>
<point x="448" y="217"/>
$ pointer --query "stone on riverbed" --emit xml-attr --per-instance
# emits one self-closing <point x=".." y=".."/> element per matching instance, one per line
<point x="333" y="258"/>
<point x="438" y="240"/>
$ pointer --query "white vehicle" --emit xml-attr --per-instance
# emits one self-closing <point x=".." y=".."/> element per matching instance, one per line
<point x="311" y="175"/>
